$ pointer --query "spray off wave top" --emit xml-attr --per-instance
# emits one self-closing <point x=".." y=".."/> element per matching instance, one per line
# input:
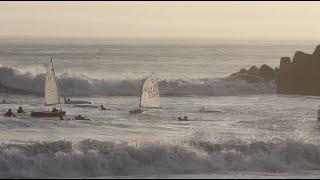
<point x="83" y="85"/>
<point x="91" y="158"/>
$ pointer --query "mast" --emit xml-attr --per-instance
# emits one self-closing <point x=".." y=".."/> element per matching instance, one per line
<point x="141" y="94"/>
<point x="56" y="84"/>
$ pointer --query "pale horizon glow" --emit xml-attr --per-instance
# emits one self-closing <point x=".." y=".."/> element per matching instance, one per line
<point x="224" y="20"/>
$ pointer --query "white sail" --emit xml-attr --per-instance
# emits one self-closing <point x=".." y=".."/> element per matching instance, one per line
<point x="51" y="87"/>
<point x="150" y="93"/>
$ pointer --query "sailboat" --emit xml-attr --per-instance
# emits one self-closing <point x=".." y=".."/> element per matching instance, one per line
<point x="149" y="97"/>
<point x="52" y="95"/>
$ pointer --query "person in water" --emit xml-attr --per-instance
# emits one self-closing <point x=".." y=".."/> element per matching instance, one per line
<point x="79" y="117"/>
<point x="102" y="108"/>
<point x="20" y="110"/>
<point x="202" y="108"/>
<point x="185" y="118"/>
<point x="4" y="101"/>
<point x="54" y="109"/>
<point x="9" y="113"/>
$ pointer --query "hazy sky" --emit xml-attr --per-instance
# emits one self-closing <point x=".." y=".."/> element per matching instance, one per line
<point x="227" y="20"/>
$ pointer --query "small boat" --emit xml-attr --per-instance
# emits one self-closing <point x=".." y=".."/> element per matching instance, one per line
<point x="149" y="97"/>
<point x="77" y="102"/>
<point x="203" y="110"/>
<point x="51" y="95"/>
<point x="48" y="114"/>
<point x="86" y="106"/>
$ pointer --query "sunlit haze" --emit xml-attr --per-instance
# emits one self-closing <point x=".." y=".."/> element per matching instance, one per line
<point x="226" y="20"/>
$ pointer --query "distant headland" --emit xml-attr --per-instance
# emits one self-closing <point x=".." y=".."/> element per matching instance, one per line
<point x="301" y="76"/>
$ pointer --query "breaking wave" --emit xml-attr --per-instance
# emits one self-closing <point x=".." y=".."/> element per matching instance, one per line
<point x="83" y="85"/>
<point x="91" y="158"/>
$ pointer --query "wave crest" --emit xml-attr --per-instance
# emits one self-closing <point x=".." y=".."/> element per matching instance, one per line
<point x="82" y="85"/>
<point x="91" y="158"/>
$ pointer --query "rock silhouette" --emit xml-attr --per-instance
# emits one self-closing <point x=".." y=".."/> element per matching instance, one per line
<point x="301" y="76"/>
<point x="254" y="74"/>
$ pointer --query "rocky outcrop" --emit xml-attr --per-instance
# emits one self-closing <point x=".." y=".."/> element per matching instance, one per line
<point x="254" y="74"/>
<point x="301" y="76"/>
<point x="267" y="73"/>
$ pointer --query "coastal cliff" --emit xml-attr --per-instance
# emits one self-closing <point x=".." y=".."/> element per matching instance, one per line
<point x="301" y="76"/>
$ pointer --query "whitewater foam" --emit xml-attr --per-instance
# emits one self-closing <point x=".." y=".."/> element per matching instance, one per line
<point x="71" y="84"/>
<point x="91" y="158"/>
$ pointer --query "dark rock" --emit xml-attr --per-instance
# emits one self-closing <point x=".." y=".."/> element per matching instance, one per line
<point x="255" y="75"/>
<point x="302" y="75"/>
<point x="266" y="72"/>
<point x="253" y="70"/>
<point x="284" y="80"/>
<point x="243" y="70"/>
<point x="316" y="52"/>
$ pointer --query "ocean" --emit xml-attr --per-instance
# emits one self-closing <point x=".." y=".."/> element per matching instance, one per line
<point x="249" y="131"/>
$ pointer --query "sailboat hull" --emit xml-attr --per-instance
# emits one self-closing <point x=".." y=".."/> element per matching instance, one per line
<point x="78" y="102"/>
<point x="48" y="114"/>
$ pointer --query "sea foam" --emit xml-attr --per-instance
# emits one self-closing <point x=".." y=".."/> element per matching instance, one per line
<point x="83" y="85"/>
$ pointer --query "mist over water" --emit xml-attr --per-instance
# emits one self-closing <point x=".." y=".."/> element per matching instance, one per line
<point x="135" y="59"/>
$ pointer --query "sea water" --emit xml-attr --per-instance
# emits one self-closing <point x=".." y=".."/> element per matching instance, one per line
<point x="248" y="130"/>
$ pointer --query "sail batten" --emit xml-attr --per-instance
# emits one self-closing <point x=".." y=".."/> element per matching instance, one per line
<point x="51" y="87"/>
<point x="150" y="96"/>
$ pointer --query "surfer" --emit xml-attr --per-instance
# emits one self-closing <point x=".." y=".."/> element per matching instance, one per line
<point x="20" y="110"/>
<point x="319" y="114"/>
<point x="202" y="108"/>
<point x="103" y="108"/>
<point x="9" y="113"/>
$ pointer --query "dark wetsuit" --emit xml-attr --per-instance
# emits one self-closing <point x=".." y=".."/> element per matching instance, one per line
<point x="20" y="110"/>
<point x="9" y="114"/>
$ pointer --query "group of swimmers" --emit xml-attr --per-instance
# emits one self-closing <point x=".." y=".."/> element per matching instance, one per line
<point x="10" y="113"/>
<point x="79" y="117"/>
